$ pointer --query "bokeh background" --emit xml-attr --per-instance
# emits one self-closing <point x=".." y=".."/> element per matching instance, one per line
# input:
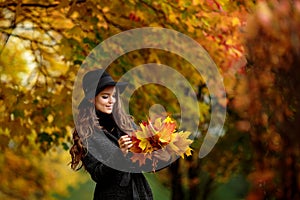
<point x="255" y="44"/>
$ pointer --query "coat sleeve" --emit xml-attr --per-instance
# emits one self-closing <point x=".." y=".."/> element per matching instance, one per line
<point x="104" y="159"/>
<point x="97" y="169"/>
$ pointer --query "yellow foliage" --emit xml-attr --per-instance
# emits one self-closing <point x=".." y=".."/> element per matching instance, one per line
<point x="160" y="134"/>
<point x="59" y="38"/>
<point x="32" y="175"/>
<point x="12" y="65"/>
<point x="236" y="21"/>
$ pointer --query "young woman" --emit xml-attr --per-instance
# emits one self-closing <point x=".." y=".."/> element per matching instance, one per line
<point x="101" y="141"/>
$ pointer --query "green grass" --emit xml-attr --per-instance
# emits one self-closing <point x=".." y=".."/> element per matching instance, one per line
<point x="160" y="192"/>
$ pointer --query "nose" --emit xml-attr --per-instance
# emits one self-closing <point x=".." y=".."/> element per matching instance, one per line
<point x="111" y="100"/>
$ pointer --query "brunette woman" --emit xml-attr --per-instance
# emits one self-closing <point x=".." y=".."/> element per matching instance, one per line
<point x="101" y="141"/>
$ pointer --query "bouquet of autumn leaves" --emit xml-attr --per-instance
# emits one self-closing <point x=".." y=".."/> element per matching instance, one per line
<point x="159" y="135"/>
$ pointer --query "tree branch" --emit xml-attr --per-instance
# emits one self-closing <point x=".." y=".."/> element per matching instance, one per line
<point x="111" y="22"/>
<point x="39" y="5"/>
<point x="26" y="38"/>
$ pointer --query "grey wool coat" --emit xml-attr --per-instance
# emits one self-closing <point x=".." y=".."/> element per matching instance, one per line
<point x="108" y="167"/>
<point x="116" y="185"/>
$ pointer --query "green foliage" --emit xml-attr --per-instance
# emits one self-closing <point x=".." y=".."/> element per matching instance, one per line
<point x="236" y="188"/>
<point x="79" y="191"/>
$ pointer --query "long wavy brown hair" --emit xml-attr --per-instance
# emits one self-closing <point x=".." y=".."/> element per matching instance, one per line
<point x="86" y="124"/>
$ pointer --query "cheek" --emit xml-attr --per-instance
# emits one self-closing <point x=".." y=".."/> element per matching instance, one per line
<point x="99" y="103"/>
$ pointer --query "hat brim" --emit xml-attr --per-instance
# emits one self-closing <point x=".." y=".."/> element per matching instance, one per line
<point x="120" y="85"/>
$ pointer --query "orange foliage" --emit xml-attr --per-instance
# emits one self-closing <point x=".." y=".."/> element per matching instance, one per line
<point x="159" y="135"/>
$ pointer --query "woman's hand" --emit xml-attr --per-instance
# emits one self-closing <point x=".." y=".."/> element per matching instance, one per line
<point x="125" y="143"/>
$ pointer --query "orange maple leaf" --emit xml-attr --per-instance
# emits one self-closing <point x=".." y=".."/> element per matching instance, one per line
<point x="159" y="135"/>
<point x="166" y="129"/>
<point x="140" y="157"/>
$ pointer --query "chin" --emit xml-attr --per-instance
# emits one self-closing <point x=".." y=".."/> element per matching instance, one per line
<point x="108" y="112"/>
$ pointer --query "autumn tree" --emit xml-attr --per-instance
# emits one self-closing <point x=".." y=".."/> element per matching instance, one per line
<point x="270" y="108"/>
<point x="58" y="35"/>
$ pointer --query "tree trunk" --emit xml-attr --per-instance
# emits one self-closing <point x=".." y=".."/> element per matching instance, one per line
<point x="177" y="191"/>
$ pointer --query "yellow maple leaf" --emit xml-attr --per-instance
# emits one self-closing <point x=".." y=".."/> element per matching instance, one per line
<point x="167" y="128"/>
<point x="151" y="130"/>
<point x="145" y="145"/>
<point x="143" y="133"/>
<point x="168" y="120"/>
<point x="166" y="132"/>
<point x="171" y="147"/>
<point x="235" y="21"/>
<point x="181" y="143"/>
<point x="159" y="135"/>
<point x="188" y="152"/>
<point x="158" y="123"/>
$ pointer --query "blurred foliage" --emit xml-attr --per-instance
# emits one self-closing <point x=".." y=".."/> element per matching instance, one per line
<point x="29" y="174"/>
<point x="271" y="112"/>
<point x="43" y="44"/>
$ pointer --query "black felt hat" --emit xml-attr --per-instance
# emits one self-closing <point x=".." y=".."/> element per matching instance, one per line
<point x="95" y="81"/>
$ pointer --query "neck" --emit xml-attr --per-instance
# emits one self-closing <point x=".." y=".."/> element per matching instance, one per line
<point x="102" y="114"/>
<point x="106" y="120"/>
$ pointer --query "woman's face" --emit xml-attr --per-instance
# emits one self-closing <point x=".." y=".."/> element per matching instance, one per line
<point x="105" y="100"/>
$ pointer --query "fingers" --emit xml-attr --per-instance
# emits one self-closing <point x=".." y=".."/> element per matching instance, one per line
<point x="125" y="143"/>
